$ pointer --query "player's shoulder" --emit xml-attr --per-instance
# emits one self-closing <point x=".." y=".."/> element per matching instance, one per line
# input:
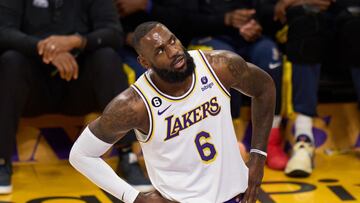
<point x="223" y="62"/>
<point x="127" y="102"/>
<point x="129" y="96"/>
<point x="220" y="56"/>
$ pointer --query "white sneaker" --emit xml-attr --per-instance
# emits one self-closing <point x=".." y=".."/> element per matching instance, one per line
<point x="5" y="177"/>
<point x="5" y="189"/>
<point x="301" y="161"/>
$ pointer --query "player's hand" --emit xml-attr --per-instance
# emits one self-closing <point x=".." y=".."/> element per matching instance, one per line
<point x="239" y="17"/>
<point x="251" y="31"/>
<point x="256" y="172"/>
<point x="151" y="197"/>
<point x="67" y="66"/>
<point x="50" y="47"/>
<point x="127" y="7"/>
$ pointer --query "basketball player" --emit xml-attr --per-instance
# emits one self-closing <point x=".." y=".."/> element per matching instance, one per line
<point x="180" y="109"/>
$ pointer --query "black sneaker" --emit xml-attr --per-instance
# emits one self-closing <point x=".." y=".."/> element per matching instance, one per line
<point x="5" y="177"/>
<point x="131" y="171"/>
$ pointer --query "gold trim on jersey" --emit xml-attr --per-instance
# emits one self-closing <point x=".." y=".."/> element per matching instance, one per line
<point x="213" y="74"/>
<point x="167" y="97"/>
<point x="151" y="116"/>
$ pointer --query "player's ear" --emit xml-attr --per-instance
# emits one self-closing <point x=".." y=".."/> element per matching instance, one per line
<point x="143" y="62"/>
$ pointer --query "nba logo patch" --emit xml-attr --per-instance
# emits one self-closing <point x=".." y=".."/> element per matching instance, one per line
<point x="204" y="80"/>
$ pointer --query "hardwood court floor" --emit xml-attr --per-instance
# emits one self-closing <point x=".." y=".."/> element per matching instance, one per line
<point x="336" y="179"/>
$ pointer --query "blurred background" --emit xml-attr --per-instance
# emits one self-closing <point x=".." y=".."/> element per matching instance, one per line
<point x="62" y="61"/>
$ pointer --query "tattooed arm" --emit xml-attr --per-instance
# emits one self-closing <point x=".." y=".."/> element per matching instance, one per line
<point x="127" y="111"/>
<point x="247" y="78"/>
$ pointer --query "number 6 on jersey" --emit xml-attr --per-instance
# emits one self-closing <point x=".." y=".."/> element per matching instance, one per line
<point x="206" y="150"/>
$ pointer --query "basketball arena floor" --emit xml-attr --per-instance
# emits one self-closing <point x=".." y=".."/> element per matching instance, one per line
<point x="336" y="179"/>
<point x="42" y="173"/>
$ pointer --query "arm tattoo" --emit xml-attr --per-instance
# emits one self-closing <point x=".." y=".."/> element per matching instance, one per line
<point x="119" y="117"/>
<point x="236" y="67"/>
<point x="231" y="67"/>
<point x="254" y="82"/>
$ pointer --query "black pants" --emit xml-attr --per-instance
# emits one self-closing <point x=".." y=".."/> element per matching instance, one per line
<point x="28" y="89"/>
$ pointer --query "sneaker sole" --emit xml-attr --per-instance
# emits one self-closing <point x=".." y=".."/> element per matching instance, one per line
<point x="298" y="174"/>
<point x="144" y="188"/>
<point x="5" y="190"/>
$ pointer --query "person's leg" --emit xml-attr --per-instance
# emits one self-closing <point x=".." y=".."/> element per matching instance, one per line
<point x="101" y="79"/>
<point x="265" y="54"/>
<point x="349" y="46"/>
<point x="307" y="37"/>
<point x="355" y="74"/>
<point x="20" y="77"/>
<point x="305" y="82"/>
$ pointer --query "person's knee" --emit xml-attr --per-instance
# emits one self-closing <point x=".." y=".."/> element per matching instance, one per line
<point x="306" y="36"/>
<point x="267" y="56"/>
<point x="350" y="42"/>
<point x="107" y="65"/>
<point x="13" y="63"/>
<point x="265" y="44"/>
<point x="105" y="54"/>
<point x="105" y="59"/>
<point x="268" y="49"/>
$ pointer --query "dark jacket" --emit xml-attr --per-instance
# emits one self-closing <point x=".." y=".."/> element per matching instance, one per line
<point x="24" y="22"/>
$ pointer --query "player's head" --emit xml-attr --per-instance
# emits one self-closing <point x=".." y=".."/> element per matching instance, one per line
<point x="161" y="51"/>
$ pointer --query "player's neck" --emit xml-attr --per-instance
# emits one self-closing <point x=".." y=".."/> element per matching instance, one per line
<point x="172" y="89"/>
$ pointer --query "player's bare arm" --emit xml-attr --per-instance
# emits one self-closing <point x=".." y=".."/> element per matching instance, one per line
<point x="235" y="72"/>
<point x="125" y="112"/>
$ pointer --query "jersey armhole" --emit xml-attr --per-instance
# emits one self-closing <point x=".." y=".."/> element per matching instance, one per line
<point x="141" y="136"/>
<point x="208" y="66"/>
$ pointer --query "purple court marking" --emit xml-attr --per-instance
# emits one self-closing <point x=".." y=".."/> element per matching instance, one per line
<point x="327" y="120"/>
<point x="357" y="144"/>
<point x="32" y="157"/>
<point x="59" y="141"/>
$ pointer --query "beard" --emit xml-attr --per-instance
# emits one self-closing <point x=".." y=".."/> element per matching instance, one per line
<point x="173" y="76"/>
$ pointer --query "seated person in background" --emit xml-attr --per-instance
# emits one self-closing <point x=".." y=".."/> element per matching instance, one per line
<point x="242" y="34"/>
<point x="179" y="15"/>
<point x="58" y="57"/>
<point x="197" y="158"/>
<point x="305" y="48"/>
<point x="347" y="18"/>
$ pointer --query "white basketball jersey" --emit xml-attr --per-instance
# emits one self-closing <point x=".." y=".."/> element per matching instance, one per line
<point x="191" y="152"/>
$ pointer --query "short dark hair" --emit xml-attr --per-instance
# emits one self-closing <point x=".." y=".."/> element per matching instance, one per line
<point x="141" y="30"/>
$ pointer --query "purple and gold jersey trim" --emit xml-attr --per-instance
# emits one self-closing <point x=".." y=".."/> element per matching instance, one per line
<point x="168" y="97"/>
<point x="213" y="74"/>
<point x="151" y="118"/>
